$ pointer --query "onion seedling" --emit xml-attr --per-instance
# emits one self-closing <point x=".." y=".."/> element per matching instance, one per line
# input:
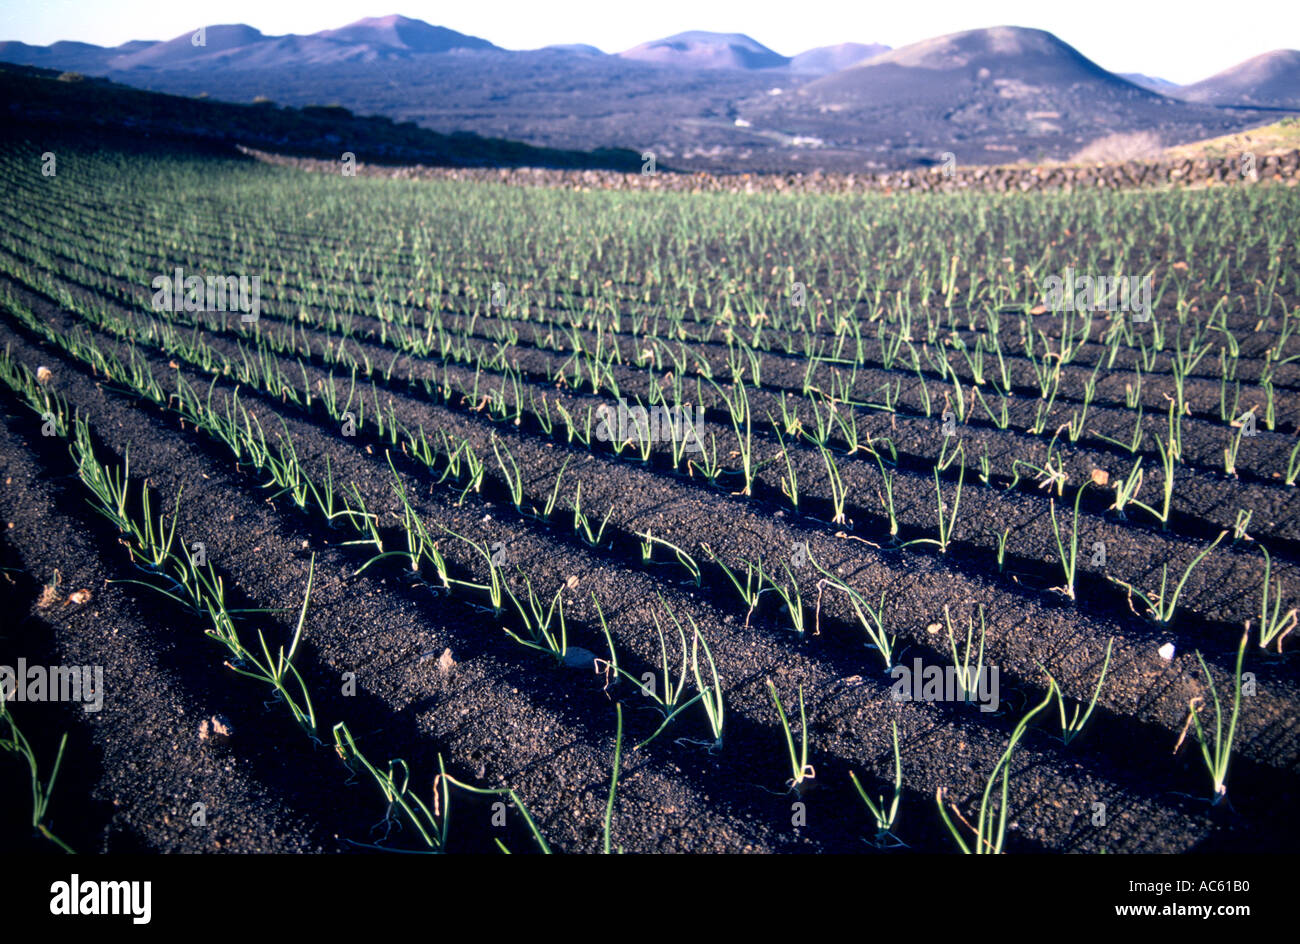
<point x="1216" y="751"/>
<point x="555" y="493"/>
<point x="1167" y="458"/>
<point x="1272" y="624"/>
<point x="708" y="464"/>
<point x="753" y="587"/>
<point x="884" y="817"/>
<point x="496" y="587"/>
<point x="792" y="598"/>
<point x="475" y="467"/>
<point x="1234" y="444"/>
<point x="397" y="792"/>
<point x="711" y="696"/>
<point x="582" y="525"/>
<point x="1161" y="606"/>
<point x="799" y="766"/>
<point x="991" y="826"/>
<point x="683" y="558"/>
<point x="838" y="490"/>
<point x="946" y="527"/>
<point x="887" y="499"/>
<point x="274" y="671"/>
<point x="1126" y="489"/>
<point x="1073" y="726"/>
<point x="870" y="618"/>
<point x="1239" y="532"/>
<point x="739" y="410"/>
<point x="537" y="622"/>
<point x="968" y="680"/>
<point x="15" y="742"/>
<point x="613" y="778"/>
<point x="513" y="476"/>
<point x="789" y="481"/>
<point x="1069" y="563"/>
<point x="1135" y="441"/>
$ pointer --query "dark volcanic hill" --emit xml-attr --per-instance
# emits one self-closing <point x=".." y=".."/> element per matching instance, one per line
<point x="238" y="46"/>
<point x="982" y="93"/>
<point x="578" y="49"/>
<point x="827" y="59"/>
<point x="1271" y="80"/>
<point x="45" y="102"/>
<point x="711" y="101"/>
<point x="702" y="50"/>
<point x="404" y="34"/>
<point x="1151" y="83"/>
<point x="1009" y="62"/>
<point x="225" y="44"/>
<point x="76" y="57"/>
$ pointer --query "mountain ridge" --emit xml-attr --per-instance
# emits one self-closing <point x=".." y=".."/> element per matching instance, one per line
<point x="710" y="101"/>
<point x="1271" y="79"/>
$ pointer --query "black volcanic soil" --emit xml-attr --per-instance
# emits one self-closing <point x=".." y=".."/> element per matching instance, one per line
<point x="845" y="711"/>
<point x="502" y="714"/>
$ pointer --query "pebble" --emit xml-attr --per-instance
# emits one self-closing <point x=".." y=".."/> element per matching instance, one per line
<point x="217" y="729"/>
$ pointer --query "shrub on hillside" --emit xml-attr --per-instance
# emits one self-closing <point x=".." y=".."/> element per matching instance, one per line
<point x="1128" y="146"/>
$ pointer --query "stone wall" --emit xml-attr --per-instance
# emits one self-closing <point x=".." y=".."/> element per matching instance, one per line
<point x="1273" y="168"/>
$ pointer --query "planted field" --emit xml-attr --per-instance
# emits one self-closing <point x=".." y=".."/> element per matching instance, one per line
<point x="492" y="517"/>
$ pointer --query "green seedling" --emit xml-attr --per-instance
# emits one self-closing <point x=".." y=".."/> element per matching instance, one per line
<point x="1273" y="624"/>
<point x="883" y="815"/>
<point x="1069" y="562"/>
<point x="802" y="771"/>
<point x="990" y="829"/>
<point x="1216" y="750"/>
<point x="1072" y="726"/>
<point x="1161" y="606"/>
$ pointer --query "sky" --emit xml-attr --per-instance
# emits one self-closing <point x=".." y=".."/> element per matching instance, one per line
<point x="1180" y="42"/>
